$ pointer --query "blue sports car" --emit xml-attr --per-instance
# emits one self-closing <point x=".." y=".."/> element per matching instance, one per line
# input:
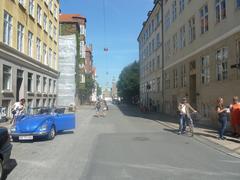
<point x="42" y="122"/>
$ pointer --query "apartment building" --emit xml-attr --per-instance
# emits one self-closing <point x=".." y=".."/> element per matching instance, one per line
<point x="28" y="52"/>
<point x="72" y="25"/>
<point x="201" y="45"/>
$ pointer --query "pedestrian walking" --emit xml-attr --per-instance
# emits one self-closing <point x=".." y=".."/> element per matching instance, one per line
<point x="184" y="109"/>
<point x="235" y="117"/>
<point x="98" y="107"/>
<point x="222" y="117"/>
<point x="104" y="108"/>
<point x="18" y="110"/>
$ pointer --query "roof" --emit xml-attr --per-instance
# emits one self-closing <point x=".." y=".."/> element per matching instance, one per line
<point x="71" y="18"/>
<point x="88" y="49"/>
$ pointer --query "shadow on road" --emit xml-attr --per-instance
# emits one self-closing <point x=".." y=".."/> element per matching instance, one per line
<point x="10" y="166"/>
<point x="207" y="130"/>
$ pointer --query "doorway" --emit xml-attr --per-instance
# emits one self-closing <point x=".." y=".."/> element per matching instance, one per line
<point x="193" y="84"/>
<point x="19" y="90"/>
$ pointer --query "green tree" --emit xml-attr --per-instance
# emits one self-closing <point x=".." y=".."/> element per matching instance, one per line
<point x="128" y="83"/>
<point x="86" y="89"/>
<point x="99" y="90"/>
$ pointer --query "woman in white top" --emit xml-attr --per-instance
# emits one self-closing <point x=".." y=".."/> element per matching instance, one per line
<point x="184" y="109"/>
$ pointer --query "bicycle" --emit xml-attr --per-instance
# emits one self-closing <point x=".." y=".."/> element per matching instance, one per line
<point x="195" y="116"/>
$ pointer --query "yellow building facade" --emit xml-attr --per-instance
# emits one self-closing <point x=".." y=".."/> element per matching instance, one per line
<point x="28" y="51"/>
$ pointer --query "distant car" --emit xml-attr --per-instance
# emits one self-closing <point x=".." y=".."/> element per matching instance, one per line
<point x="5" y="151"/>
<point x="42" y="122"/>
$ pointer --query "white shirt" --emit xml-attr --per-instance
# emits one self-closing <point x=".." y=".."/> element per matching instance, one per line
<point x="183" y="109"/>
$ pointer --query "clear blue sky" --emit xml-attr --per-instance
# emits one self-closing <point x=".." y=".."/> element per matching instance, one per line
<point x="124" y="20"/>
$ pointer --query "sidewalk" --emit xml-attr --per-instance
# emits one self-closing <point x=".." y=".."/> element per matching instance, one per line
<point x="200" y="132"/>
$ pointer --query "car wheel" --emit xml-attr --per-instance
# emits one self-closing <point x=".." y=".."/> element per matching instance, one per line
<point x="52" y="133"/>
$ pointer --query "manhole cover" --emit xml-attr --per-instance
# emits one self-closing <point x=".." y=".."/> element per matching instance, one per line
<point x="141" y="139"/>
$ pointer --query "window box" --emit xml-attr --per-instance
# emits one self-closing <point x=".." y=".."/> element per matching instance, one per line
<point x="30" y="93"/>
<point x="32" y="17"/>
<point x="22" y="7"/>
<point x="39" y="94"/>
<point x="7" y="93"/>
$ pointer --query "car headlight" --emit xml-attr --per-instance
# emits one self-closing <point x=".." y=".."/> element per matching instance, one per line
<point x="13" y="129"/>
<point x="43" y="127"/>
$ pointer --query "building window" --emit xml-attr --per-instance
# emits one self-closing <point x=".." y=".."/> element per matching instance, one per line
<point x="205" y="70"/>
<point x="204" y="19"/>
<point x="20" y="37"/>
<point x="38" y="49"/>
<point x="175" y="78"/>
<point x="31" y="7"/>
<point x="30" y="82"/>
<point x="7" y="78"/>
<point x="181" y="6"/>
<point x="50" y="28"/>
<point x="50" y="57"/>
<point x="192" y="29"/>
<point x="183" y="76"/>
<point x="175" y="43"/>
<point x="168" y="49"/>
<point x="158" y="40"/>
<point x="238" y="3"/>
<point x="38" y="83"/>
<point x="182" y="37"/>
<point x="158" y="62"/>
<point x="45" y="60"/>
<point x="222" y="65"/>
<point x="45" y="22"/>
<point x="153" y="26"/>
<point x="54" y="86"/>
<point x="238" y="51"/>
<point x="44" y="84"/>
<point x="21" y="2"/>
<point x="39" y="15"/>
<point x="55" y="12"/>
<point x="55" y="33"/>
<point x="30" y="44"/>
<point x="167" y="81"/>
<point x="50" y="5"/>
<point x="49" y="86"/>
<point x="54" y="63"/>
<point x="82" y="30"/>
<point x="220" y="10"/>
<point x="7" y="31"/>
<point x="167" y="20"/>
<point x="174" y="10"/>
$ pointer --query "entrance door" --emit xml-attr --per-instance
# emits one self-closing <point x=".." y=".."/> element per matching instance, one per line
<point x="193" y="91"/>
<point x="19" y="85"/>
<point x="193" y="84"/>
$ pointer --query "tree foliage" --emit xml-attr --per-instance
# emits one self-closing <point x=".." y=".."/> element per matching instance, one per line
<point x="99" y="90"/>
<point x="128" y="83"/>
<point x="86" y="89"/>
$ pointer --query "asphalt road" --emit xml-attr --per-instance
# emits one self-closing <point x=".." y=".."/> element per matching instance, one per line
<point x="121" y="146"/>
